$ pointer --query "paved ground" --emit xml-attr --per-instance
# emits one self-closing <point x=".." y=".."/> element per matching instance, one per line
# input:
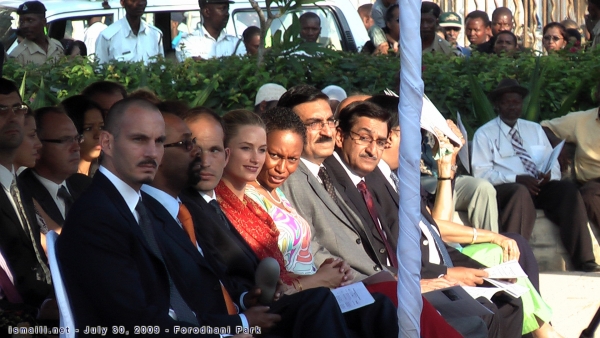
<point x="574" y="298"/>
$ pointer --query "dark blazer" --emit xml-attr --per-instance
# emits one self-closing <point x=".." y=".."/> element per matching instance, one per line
<point x="354" y="198"/>
<point x="17" y="248"/>
<point x="76" y="183"/>
<point x="194" y="276"/>
<point x="386" y="196"/>
<point x="110" y="273"/>
<point x="226" y="245"/>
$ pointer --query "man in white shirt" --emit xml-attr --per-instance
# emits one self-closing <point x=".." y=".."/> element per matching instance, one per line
<point x="130" y="39"/>
<point x="92" y="32"/>
<point x="210" y="40"/>
<point x="510" y="153"/>
<point x="54" y="181"/>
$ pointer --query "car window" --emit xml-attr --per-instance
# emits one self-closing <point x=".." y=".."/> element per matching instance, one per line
<point x="330" y="28"/>
<point x="8" y="25"/>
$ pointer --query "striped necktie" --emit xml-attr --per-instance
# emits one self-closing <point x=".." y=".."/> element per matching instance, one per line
<point x="527" y="161"/>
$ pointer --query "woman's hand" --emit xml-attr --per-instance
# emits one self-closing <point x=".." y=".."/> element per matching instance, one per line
<point x="329" y="274"/>
<point x="509" y="247"/>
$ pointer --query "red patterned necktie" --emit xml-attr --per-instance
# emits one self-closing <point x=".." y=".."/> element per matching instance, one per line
<point x="362" y="187"/>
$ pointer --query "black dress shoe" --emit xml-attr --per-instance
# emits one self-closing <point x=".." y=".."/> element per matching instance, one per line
<point x="590" y="267"/>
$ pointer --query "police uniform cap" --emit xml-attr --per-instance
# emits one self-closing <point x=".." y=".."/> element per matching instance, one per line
<point x="31" y="7"/>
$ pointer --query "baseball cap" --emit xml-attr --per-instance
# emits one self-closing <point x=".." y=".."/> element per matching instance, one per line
<point x="450" y="19"/>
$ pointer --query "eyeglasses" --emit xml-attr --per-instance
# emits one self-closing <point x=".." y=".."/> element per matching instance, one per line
<point x="364" y="140"/>
<point x="318" y="125"/>
<point x="65" y="140"/>
<point x="17" y="109"/>
<point x="547" y="38"/>
<point x="188" y="145"/>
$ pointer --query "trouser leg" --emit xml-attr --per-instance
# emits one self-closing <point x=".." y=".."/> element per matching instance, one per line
<point x="590" y="192"/>
<point x="517" y="211"/>
<point x="477" y="197"/>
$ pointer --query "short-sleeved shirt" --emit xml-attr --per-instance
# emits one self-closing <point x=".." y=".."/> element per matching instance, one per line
<point x="583" y="129"/>
<point x="201" y="44"/>
<point x="440" y="45"/>
<point x="29" y="52"/>
<point x="118" y="42"/>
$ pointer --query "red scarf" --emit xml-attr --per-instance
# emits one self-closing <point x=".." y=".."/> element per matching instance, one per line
<point x="254" y="225"/>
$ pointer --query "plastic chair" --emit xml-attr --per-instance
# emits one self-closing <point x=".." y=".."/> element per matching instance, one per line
<point x="67" y="322"/>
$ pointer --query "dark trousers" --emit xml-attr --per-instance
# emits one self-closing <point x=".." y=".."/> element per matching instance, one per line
<point x="590" y="192"/>
<point x="526" y="259"/>
<point x="561" y="203"/>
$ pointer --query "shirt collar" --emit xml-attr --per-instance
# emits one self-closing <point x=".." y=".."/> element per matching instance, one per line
<point x="353" y="177"/>
<point x="6" y="176"/>
<point x="127" y="28"/>
<point x="385" y="168"/>
<point x="49" y="185"/>
<point x="130" y="196"/>
<point x="169" y="202"/>
<point x="207" y="197"/>
<point x="312" y="167"/>
<point x="222" y="36"/>
<point x="505" y="127"/>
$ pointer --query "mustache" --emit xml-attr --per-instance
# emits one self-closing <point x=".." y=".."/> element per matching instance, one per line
<point x="365" y="155"/>
<point x="151" y="162"/>
<point x="324" y="139"/>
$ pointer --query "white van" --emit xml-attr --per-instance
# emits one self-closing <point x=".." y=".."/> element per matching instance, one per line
<point x="341" y="25"/>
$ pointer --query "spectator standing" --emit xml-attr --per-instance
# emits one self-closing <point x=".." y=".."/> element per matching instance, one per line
<point x="92" y="32"/>
<point x="36" y="47"/>
<point x="364" y="12"/>
<point x="378" y="11"/>
<point x="505" y="42"/>
<point x="452" y="24"/>
<point x="592" y="20"/>
<point x="310" y="27"/>
<point x="210" y="40"/>
<point x="431" y="42"/>
<point x="555" y="37"/>
<point x="478" y="30"/>
<point x="251" y="38"/>
<point x="130" y="39"/>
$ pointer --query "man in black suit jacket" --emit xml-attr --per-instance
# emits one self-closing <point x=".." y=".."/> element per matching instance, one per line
<point x="112" y="270"/>
<point x="54" y="181"/>
<point x="20" y="234"/>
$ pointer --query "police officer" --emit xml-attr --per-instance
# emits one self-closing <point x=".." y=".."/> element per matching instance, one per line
<point x="36" y="47"/>
<point x="130" y="38"/>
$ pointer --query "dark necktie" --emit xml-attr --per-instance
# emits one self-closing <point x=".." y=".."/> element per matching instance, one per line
<point x="217" y="208"/>
<point x="517" y="143"/>
<point x="439" y="243"/>
<point x="9" y="289"/>
<point x="44" y="274"/>
<point x="362" y="187"/>
<point x="64" y="194"/>
<point x="324" y="176"/>
<point x="182" y="310"/>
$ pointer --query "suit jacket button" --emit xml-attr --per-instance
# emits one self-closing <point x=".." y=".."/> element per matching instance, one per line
<point x="382" y="250"/>
<point x="358" y="241"/>
<point x="376" y="268"/>
<point x="425" y="242"/>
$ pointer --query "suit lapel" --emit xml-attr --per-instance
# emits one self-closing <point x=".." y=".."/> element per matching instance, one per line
<point x="11" y="213"/>
<point x="41" y="194"/>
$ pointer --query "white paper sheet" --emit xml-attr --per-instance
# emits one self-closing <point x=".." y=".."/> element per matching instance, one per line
<point x="431" y="118"/>
<point x="477" y="292"/>
<point x="553" y="157"/>
<point x="353" y="296"/>
<point x="463" y="153"/>
<point x="512" y="289"/>
<point x="506" y="270"/>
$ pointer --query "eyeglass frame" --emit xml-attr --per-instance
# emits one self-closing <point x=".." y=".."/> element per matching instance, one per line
<point x="188" y="144"/>
<point x="17" y="109"/>
<point x="331" y="123"/>
<point x="552" y="38"/>
<point x="65" y="140"/>
<point x="361" y="141"/>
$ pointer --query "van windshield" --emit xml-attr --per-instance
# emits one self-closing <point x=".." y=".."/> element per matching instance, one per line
<point x="8" y="25"/>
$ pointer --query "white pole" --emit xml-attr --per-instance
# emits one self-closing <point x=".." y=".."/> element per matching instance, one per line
<point x="411" y="101"/>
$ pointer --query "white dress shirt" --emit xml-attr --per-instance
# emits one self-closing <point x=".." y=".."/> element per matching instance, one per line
<point x="353" y="177"/>
<point x="313" y="168"/>
<point x="118" y="42"/>
<point x="172" y="205"/>
<point x="201" y="44"/>
<point x="91" y="35"/>
<point x="495" y="159"/>
<point x="53" y="190"/>
<point x="130" y="196"/>
<point x="387" y="172"/>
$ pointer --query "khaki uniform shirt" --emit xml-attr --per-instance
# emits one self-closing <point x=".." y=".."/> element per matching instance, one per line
<point x="29" y="52"/>
<point x="583" y="129"/>
<point x="442" y="46"/>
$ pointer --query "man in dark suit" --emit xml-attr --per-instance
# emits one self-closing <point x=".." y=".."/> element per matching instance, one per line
<point x="112" y="268"/>
<point x="54" y="181"/>
<point x="20" y="234"/>
<point x="178" y="236"/>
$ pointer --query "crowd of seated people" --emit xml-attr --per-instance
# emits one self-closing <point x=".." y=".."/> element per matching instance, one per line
<point x="154" y="201"/>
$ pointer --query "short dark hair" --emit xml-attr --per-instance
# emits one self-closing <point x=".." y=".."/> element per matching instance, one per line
<point x="282" y="118"/>
<point x="238" y="118"/>
<point x="501" y="11"/>
<point x="250" y="32"/>
<point x="300" y="94"/>
<point x="514" y="37"/>
<point x="348" y="116"/>
<point x="42" y="112"/>
<point x="176" y="107"/>
<point x="112" y="124"/>
<point x="76" y="107"/>
<point x="308" y="16"/>
<point x="479" y="15"/>
<point x="389" y="103"/>
<point x="389" y="13"/>
<point x="7" y="86"/>
<point x="104" y="87"/>
<point x="70" y="44"/>
<point x="430" y="7"/>
<point x="573" y="33"/>
<point x="561" y="28"/>
<point x="147" y="94"/>
<point x="196" y="113"/>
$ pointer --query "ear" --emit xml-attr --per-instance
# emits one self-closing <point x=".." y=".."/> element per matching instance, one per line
<point x="227" y="153"/>
<point x="339" y="138"/>
<point x="106" y="142"/>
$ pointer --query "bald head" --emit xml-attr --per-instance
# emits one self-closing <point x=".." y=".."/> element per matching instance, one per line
<point x="502" y="20"/>
<point x="348" y="100"/>
<point x="114" y="120"/>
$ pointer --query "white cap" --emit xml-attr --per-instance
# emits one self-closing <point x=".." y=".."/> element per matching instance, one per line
<point x="269" y="92"/>
<point x="335" y="93"/>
